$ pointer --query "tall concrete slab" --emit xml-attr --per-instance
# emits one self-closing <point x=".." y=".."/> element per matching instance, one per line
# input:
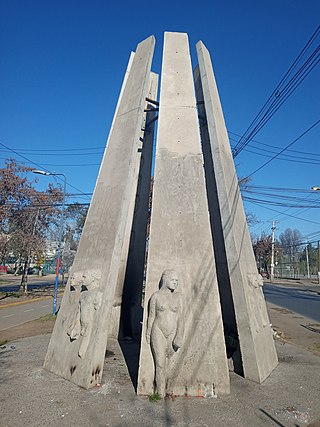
<point x="77" y="347"/>
<point x="243" y="304"/>
<point x="130" y="279"/>
<point x="180" y="240"/>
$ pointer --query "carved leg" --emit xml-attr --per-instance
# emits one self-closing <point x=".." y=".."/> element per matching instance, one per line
<point x="84" y="342"/>
<point x="74" y="327"/>
<point x="86" y="318"/>
<point x="170" y="353"/>
<point x="159" y="352"/>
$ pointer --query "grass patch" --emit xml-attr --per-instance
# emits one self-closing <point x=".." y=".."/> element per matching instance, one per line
<point x="49" y="316"/>
<point x="4" y="295"/>
<point x="3" y="342"/>
<point x="155" y="397"/>
<point x="315" y="347"/>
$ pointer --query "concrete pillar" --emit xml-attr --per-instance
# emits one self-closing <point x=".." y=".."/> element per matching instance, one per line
<point x="180" y="239"/>
<point x="243" y="304"/>
<point x="77" y="347"/>
<point x="130" y="279"/>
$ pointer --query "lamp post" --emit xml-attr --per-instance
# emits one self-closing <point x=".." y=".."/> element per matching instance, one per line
<point x="55" y="294"/>
<point x="318" y="189"/>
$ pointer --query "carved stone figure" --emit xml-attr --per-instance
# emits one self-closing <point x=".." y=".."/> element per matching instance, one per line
<point x="165" y="327"/>
<point x="89" y="302"/>
<point x="75" y="284"/>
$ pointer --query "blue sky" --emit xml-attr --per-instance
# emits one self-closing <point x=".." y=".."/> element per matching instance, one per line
<point x="62" y="64"/>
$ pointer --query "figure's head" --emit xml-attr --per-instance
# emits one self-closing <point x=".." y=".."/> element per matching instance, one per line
<point x="169" y="279"/>
<point x="76" y="280"/>
<point x="92" y="279"/>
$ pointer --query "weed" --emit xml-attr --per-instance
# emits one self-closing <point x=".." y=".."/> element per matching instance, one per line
<point x="155" y="397"/>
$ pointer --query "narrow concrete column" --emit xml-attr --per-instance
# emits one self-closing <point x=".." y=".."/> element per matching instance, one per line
<point x="130" y="278"/>
<point x="180" y="240"/>
<point x="77" y="347"/>
<point x="243" y="304"/>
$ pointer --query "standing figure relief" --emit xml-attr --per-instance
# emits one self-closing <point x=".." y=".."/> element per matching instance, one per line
<point x="89" y="303"/>
<point x="165" y="328"/>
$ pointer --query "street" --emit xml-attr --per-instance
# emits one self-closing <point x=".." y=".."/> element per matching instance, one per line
<point x="22" y="313"/>
<point x="300" y="301"/>
<point x="33" y="284"/>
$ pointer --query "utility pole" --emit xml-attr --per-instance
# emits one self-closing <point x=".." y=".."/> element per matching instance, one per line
<point x="319" y="262"/>
<point x="272" y="252"/>
<point x="307" y="258"/>
<point x="56" y="285"/>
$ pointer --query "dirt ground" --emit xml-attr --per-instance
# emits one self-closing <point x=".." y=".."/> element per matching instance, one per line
<point x="117" y="405"/>
<point x="295" y="329"/>
<point x="40" y="326"/>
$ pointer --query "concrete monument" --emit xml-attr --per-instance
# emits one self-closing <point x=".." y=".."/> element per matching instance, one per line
<point x="104" y="232"/>
<point x="202" y="298"/>
<point x="243" y="306"/>
<point x="180" y="237"/>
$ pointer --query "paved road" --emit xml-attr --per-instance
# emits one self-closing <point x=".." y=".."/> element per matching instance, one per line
<point x="14" y="287"/>
<point x="300" y="301"/>
<point x="22" y="313"/>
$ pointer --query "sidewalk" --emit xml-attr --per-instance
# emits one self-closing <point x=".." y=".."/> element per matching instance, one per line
<point x="290" y="397"/>
<point x="34" y="397"/>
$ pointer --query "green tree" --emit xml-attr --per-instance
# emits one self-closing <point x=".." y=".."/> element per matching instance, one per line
<point x="26" y="215"/>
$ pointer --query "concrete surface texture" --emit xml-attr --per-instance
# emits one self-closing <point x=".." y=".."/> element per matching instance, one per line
<point x="243" y="304"/>
<point x="127" y="300"/>
<point x="180" y="237"/>
<point x="32" y="396"/>
<point x="101" y="243"/>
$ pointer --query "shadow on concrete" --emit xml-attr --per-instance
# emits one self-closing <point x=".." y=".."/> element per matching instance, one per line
<point x="277" y="423"/>
<point x="131" y="353"/>
<point x="6" y="374"/>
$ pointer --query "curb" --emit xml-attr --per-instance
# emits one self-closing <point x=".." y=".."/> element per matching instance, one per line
<point x="14" y="304"/>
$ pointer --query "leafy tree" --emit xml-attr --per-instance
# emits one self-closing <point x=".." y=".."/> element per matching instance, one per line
<point x="26" y="215"/>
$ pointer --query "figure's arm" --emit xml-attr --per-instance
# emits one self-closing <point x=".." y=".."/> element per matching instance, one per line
<point x="151" y="317"/>
<point x="97" y="300"/>
<point x="177" y="341"/>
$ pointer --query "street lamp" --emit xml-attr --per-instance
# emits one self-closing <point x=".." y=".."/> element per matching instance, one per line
<point x="55" y="294"/>
<point x="318" y="189"/>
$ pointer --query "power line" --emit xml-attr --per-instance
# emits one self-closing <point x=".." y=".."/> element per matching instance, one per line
<point x="284" y="157"/>
<point x="280" y="204"/>
<point x="63" y="165"/>
<point x="273" y="146"/>
<point x="43" y="153"/>
<point x="58" y="151"/>
<point x="280" y="94"/>
<point x="287" y="189"/>
<point x="38" y="165"/>
<point x="284" y="149"/>
<point x="291" y="216"/>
